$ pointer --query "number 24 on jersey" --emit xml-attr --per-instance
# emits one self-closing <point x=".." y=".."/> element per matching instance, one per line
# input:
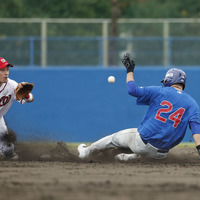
<point x="175" y="116"/>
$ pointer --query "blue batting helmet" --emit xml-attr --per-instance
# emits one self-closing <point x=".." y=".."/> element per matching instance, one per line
<point x="174" y="76"/>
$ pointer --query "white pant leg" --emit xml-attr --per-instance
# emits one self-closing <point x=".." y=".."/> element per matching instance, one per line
<point x="3" y="127"/>
<point x="5" y="147"/>
<point x="119" y="139"/>
<point x="128" y="138"/>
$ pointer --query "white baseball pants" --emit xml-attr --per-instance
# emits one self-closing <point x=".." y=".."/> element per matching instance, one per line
<point x="5" y="148"/>
<point x="128" y="138"/>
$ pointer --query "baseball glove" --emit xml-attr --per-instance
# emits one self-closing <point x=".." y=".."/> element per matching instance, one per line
<point x="128" y="63"/>
<point x="23" y="89"/>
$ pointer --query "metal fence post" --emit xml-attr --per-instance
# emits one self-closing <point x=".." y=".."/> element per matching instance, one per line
<point x="44" y="43"/>
<point x="105" y="42"/>
<point x="166" y="43"/>
<point x="100" y="52"/>
<point x="31" y="51"/>
<point x="170" y="50"/>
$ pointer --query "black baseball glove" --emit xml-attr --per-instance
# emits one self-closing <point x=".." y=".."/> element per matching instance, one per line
<point x="128" y="63"/>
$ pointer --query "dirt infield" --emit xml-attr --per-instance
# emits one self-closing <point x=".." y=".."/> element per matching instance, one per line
<point x="48" y="171"/>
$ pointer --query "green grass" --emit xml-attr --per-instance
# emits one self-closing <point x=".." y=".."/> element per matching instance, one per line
<point x="187" y="144"/>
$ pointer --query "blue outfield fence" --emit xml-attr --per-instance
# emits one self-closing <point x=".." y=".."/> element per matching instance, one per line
<point x="79" y="105"/>
<point x="100" y="51"/>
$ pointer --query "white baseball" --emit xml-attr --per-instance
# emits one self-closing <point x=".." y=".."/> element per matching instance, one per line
<point x="111" y="79"/>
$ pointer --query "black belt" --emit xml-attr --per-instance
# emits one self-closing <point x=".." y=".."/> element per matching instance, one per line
<point x="159" y="150"/>
<point x="143" y="140"/>
<point x="163" y="150"/>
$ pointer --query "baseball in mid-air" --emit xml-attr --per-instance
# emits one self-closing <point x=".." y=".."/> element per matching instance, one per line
<point x="111" y="79"/>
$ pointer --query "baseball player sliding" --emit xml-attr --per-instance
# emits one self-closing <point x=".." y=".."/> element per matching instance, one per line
<point x="9" y="91"/>
<point x="164" y="125"/>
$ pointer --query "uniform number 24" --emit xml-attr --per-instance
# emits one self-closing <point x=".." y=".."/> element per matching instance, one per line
<point x="175" y="116"/>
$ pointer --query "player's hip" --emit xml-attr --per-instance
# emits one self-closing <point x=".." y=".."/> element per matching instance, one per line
<point x="146" y="149"/>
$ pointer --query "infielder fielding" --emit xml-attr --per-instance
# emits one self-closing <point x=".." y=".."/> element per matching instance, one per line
<point x="9" y="91"/>
<point x="163" y="127"/>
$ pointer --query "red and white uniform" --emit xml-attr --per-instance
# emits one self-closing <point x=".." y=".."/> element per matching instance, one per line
<point x="7" y="96"/>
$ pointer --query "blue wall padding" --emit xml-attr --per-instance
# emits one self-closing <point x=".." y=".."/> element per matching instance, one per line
<point x="79" y="105"/>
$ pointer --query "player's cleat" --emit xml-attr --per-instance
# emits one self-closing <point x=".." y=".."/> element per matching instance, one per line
<point x="126" y="157"/>
<point x="14" y="156"/>
<point x="82" y="151"/>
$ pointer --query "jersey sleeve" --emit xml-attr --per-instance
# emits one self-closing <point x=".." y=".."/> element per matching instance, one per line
<point x="194" y="114"/>
<point x="195" y="127"/>
<point x="147" y="94"/>
<point x="194" y="120"/>
<point x="132" y="88"/>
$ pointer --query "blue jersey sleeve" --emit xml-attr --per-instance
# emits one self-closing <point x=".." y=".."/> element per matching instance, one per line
<point x="194" y="121"/>
<point x="195" y="115"/>
<point x="195" y="127"/>
<point x="147" y="94"/>
<point x="132" y="89"/>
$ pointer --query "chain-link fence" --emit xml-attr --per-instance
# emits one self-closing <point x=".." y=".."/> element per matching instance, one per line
<point x="87" y="42"/>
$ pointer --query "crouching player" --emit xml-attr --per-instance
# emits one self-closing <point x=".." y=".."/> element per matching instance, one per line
<point x="7" y="96"/>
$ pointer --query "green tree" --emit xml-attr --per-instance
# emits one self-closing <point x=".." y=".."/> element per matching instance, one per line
<point x="99" y="8"/>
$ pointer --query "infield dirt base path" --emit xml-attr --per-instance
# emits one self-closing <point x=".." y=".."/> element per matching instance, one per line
<point x="61" y="175"/>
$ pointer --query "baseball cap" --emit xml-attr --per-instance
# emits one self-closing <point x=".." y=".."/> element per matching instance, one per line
<point x="4" y="63"/>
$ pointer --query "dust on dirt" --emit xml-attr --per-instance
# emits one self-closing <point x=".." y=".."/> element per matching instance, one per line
<point x="40" y="150"/>
<point x="62" y="152"/>
<point x="45" y="151"/>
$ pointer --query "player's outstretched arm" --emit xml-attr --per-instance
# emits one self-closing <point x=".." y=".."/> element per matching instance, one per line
<point x="130" y="66"/>
<point x="197" y="142"/>
<point x="130" y="77"/>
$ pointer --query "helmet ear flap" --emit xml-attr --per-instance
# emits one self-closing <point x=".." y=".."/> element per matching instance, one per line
<point x="163" y="81"/>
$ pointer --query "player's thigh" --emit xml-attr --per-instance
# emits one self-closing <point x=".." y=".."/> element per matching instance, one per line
<point x="137" y="145"/>
<point x="124" y="138"/>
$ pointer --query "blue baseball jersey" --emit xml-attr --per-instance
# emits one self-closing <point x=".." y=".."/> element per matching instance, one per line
<point x="170" y="111"/>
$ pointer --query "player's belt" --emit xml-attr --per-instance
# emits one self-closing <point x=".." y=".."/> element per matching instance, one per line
<point x="158" y="150"/>
<point x="145" y="142"/>
<point x="162" y="150"/>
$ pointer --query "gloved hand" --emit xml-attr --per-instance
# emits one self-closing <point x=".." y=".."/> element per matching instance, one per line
<point x="23" y="89"/>
<point x="128" y="63"/>
<point x="198" y="149"/>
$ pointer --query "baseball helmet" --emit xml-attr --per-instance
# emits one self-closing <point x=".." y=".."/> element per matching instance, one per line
<point x="174" y="76"/>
